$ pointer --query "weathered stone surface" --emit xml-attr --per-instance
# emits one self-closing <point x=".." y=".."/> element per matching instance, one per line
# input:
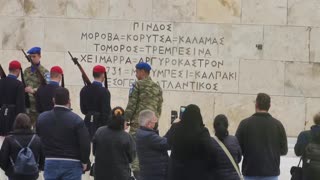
<point x="174" y="10"/>
<point x="75" y="98"/>
<point x="286" y="43"/>
<point x="312" y="108"/>
<point x="49" y="59"/>
<point x="20" y="33"/>
<point x="315" y="45"/>
<point x="235" y="106"/>
<point x="264" y="12"/>
<point x="88" y="8"/>
<point x="55" y="8"/>
<point x="261" y="76"/>
<point x="64" y="35"/>
<point x="240" y="41"/>
<point x="304" y="12"/>
<point x="291" y="112"/>
<point x="205" y="102"/>
<point x="34" y="7"/>
<point x="1" y="34"/>
<point x="8" y="55"/>
<point x="219" y="11"/>
<point x="11" y="7"/>
<point x="131" y="9"/>
<point x="119" y="97"/>
<point x="301" y="79"/>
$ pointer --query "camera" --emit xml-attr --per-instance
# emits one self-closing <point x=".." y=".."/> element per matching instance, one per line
<point x="182" y="109"/>
<point x="174" y="114"/>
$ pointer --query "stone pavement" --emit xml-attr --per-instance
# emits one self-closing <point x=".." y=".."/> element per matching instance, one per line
<point x="286" y="162"/>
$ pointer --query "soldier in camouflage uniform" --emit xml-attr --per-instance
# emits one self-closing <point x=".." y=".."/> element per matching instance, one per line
<point x="33" y="82"/>
<point x="144" y="94"/>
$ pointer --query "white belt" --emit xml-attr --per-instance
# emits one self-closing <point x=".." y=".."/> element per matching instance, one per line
<point x="63" y="159"/>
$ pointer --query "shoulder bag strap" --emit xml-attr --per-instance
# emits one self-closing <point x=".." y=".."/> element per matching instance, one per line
<point x="224" y="148"/>
<point x="17" y="142"/>
<point x="300" y="161"/>
<point x="31" y="140"/>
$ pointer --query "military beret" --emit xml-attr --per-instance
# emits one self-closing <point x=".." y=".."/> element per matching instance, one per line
<point x="56" y="69"/>
<point x="144" y="66"/>
<point x="34" y="50"/>
<point x="14" y="64"/>
<point x="99" y="69"/>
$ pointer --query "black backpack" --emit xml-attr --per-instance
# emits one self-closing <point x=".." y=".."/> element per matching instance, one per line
<point x="25" y="163"/>
<point x="312" y="161"/>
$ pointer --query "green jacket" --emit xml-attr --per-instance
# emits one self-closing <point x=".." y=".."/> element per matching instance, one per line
<point x="144" y="94"/>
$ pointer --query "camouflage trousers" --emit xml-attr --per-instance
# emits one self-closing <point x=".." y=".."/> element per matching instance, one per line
<point x="33" y="117"/>
<point x="135" y="164"/>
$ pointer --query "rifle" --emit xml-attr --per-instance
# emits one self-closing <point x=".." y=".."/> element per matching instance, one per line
<point x="39" y="74"/>
<point x="26" y="95"/>
<point x="85" y="78"/>
<point x="2" y="73"/>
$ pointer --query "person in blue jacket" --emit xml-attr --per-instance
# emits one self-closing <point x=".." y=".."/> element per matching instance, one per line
<point x="151" y="148"/>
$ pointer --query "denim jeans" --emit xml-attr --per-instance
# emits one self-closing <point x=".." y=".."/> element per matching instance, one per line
<point x="62" y="170"/>
<point x="261" y="178"/>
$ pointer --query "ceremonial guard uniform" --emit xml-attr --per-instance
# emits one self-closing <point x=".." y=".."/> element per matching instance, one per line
<point x="32" y="80"/>
<point x="12" y="98"/>
<point x="95" y="102"/>
<point x="45" y="94"/>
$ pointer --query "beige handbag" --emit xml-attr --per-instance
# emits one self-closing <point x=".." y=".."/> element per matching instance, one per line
<point x="224" y="148"/>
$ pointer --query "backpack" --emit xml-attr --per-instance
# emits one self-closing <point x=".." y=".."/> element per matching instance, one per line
<point x="312" y="161"/>
<point x="25" y="163"/>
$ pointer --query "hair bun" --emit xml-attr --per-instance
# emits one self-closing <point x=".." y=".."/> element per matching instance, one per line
<point x="118" y="112"/>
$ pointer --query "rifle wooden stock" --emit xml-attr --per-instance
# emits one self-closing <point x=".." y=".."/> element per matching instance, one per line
<point x="2" y="73"/>
<point x="26" y="95"/>
<point x="39" y="74"/>
<point x="85" y="78"/>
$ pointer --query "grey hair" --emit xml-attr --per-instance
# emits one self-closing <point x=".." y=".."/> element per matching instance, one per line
<point x="145" y="116"/>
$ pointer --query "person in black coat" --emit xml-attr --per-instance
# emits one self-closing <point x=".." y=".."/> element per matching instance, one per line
<point x="151" y="148"/>
<point x="304" y="138"/>
<point x="65" y="139"/>
<point x="191" y="147"/>
<point x="222" y="166"/>
<point x="263" y="140"/>
<point x="114" y="149"/>
<point x="44" y="94"/>
<point x="10" y="149"/>
<point x="95" y="101"/>
<point x="12" y="98"/>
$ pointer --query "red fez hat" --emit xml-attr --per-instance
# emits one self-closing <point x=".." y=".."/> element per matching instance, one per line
<point x="14" y="64"/>
<point x="56" y="69"/>
<point x="99" y="69"/>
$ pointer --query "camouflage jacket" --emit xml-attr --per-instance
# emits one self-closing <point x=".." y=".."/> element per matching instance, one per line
<point x="144" y="94"/>
<point x="33" y="81"/>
